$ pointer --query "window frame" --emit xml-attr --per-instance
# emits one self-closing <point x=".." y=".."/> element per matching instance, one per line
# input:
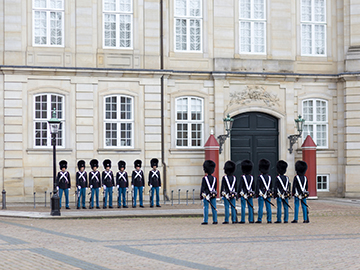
<point x="327" y="176"/>
<point x="316" y="123"/>
<point x="48" y="10"/>
<point x="190" y="122"/>
<point x="117" y="14"/>
<point x="252" y="21"/>
<point x="188" y="18"/>
<point x="313" y="23"/>
<point x="49" y="111"/>
<point x="119" y="121"/>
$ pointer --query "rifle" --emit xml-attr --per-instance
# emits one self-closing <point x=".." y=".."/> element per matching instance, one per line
<point x="265" y="198"/>
<point x="118" y="193"/>
<point x="283" y="199"/>
<point x="300" y="197"/>
<point x="150" y="193"/>
<point x="90" y="200"/>
<point x="208" y="199"/>
<point x="132" y="197"/>
<point x="245" y="196"/>
<point x="226" y="196"/>
<point x="104" y="197"/>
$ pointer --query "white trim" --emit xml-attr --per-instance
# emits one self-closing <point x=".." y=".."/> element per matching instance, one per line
<point x="327" y="176"/>
<point x="118" y="121"/>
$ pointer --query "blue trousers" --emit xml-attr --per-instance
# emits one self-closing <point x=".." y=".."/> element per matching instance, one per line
<point x="304" y="209"/>
<point x="82" y="197"/>
<point x="233" y="213"/>
<point x="108" y="192"/>
<point x="66" y="191"/>
<point x="261" y="206"/>
<point x="96" y="191"/>
<point x="122" y="194"/>
<point x="206" y="210"/>
<point x="251" y="210"/>
<point x="153" y="189"/>
<point x="140" y="189"/>
<point x="279" y="203"/>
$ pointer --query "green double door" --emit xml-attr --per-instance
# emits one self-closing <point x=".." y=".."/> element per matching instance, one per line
<point x="255" y="136"/>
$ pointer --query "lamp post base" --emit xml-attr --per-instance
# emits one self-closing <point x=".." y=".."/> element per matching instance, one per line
<point x="55" y="204"/>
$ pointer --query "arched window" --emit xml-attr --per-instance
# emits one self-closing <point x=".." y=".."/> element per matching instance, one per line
<point x="119" y="121"/>
<point x="44" y="105"/>
<point x="189" y="122"/>
<point x="315" y="113"/>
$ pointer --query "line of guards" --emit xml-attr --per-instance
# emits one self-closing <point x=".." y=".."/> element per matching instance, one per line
<point x="246" y="189"/>
<point x="108" y="182"/>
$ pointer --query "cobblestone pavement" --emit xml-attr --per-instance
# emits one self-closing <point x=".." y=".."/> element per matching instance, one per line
<point x="330" y="241"/>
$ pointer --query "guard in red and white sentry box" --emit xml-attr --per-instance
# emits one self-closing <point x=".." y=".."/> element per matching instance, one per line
<point x="63" y="182"/>
<point x="154" y="182"/>
<point x="81" y="183"/>
<point x="228" y="191"/>
<point x="300" y="190"/>
<point x="282" y="191"/>
<point x="208" y="191"/>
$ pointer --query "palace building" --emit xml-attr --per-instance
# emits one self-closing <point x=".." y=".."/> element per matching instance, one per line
<point x="143" y="79"/>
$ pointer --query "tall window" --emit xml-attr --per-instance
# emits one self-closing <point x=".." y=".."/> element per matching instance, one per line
<point x="252" y="26"/>
<point x="188" y="25"/>
<point x="119" y="121"/>
<point x="44" y="105"/>
<point x="315" y="113"/>
<point x="189" y="122"/>
<point x="313" y="27"/>
<point x="48" y="22"/>
<point x="322" y="182"/>
<point x="118" y="21"/>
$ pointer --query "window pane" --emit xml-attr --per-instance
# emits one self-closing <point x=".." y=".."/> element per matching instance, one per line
<point x="40" y="3"/>
<point x="56" y="28"/>
<point x="181" y="33"/>
<point x="110" y="108"/>
<point x="321" y="135"/>
<point x="41" y="107"/>
<point x="182" y="109"/>
<point x="320" y="111"/>
<point x="111" y="134"/>
<point x="308" y="110"/>
<point x="41" y="133"/>
<point x="245" y="9"/>
<point x="125" y="5"/>
<point x="196" y="109"/>
<point x="40" y="26"/>
<point x="195" y="8"/>
<point x="56" y="4"/>
<point x="180" y="8"/>
<point x="259" y="37"/>
<point x="182" y="135"/>
<point x="56" y="102"/>
<point x="319" y="39"/>
<point x="109" y="5"/>
<point x="319" y="10"/>
<point x="306" y="10"/>
<point x="125" y="134"/>
<point x="245" y="37"/>
<point x="196" y="134"/>
<point x="308" y="130"/>
<point x="125" y="108"/>
<point x="125" y="31"/>
<point x="110" y="30"/>
<point x="306" y="39"/>
<point x="195" y="33"/>
<point x="259" y="9"/>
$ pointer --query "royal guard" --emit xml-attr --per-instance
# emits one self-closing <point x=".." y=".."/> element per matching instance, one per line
<point x="81" y="183"/>
<point x="63" y="182"/>
<point x="264" y="190"/>
<point x="247" y="190"/>
<point x="108" y="182"/>
<point x="154" y="182"/>
<point x="282" y="191"/>
<point x="122" y="183"/>
<point x="137" y="182"/>
<point x="300" y="191"/>
<point x="95" y="183"/>
<point x="208" y="191"/>
<point x="228" y="191"/>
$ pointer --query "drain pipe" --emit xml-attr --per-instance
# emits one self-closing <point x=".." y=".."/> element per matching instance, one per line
<point x="166" y="198"/>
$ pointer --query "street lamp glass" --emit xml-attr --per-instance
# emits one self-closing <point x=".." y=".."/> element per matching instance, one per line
<point x="299" y="123"/>
<point x="228" y="122"/>
<point x="54" y="124"/>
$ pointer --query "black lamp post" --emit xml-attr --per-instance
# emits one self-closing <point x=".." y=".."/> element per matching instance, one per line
<point x="293" y="138"/>
<point x="54" y="125"/>
<point x="228" y="122"/>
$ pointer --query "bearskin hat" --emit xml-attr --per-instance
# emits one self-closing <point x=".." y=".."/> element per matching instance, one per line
<point x="246" y="166"/>
<point x="80" y="164"/>
<point x="94" y="163"/>
<point x="137" y="163"/>
<point x="107" y="163"/>
<point x="63" y="164"/>
<point x="281" y="167"/>
<point x="209" y="166"/>
<point x="264" y="165"/>
<point x="229" y="167"/>
<point x="154" y="162"/>
<point x="301" y="167"/>
<point x="121" y="164"/>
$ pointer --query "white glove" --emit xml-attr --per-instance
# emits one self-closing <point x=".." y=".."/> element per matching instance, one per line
<point x="69" y="189"/>
<point x="127" y="189"/>
<point x="57" y="188"/>
<point x="132" y="186"/>
<point x="208" y="197"/>
<point x="203" y="195"/>
<point x="159" y="187"/>
<point x="104" y="187"/>
<point x="150" y="186"/>
<point x="223" y="193"/>
<point x="79" y="187"/>
<point x="90" y="186"/>
<point x="117" y="186"/>
<point x="245" y="196"/>
<point x="227" y="196"/>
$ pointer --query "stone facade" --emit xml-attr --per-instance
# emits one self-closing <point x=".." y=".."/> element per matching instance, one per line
<point x="84" y="72"/>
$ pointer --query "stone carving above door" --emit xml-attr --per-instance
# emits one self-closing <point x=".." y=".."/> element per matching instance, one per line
<point x="251" y="94"/>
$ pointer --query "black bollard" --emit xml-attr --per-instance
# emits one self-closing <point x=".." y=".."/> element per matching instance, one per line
<point x="193" y="196"/>
<point x="3" y="199"/>
<point x="172" y="198"/>
<point x="45" y="198"/>
<point x="34" y="200"/>
<point x="179" y="196"/>
<point x="187" y="193"/>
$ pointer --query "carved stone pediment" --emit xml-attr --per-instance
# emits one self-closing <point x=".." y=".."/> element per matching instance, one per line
<point x="251" y="94"/>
